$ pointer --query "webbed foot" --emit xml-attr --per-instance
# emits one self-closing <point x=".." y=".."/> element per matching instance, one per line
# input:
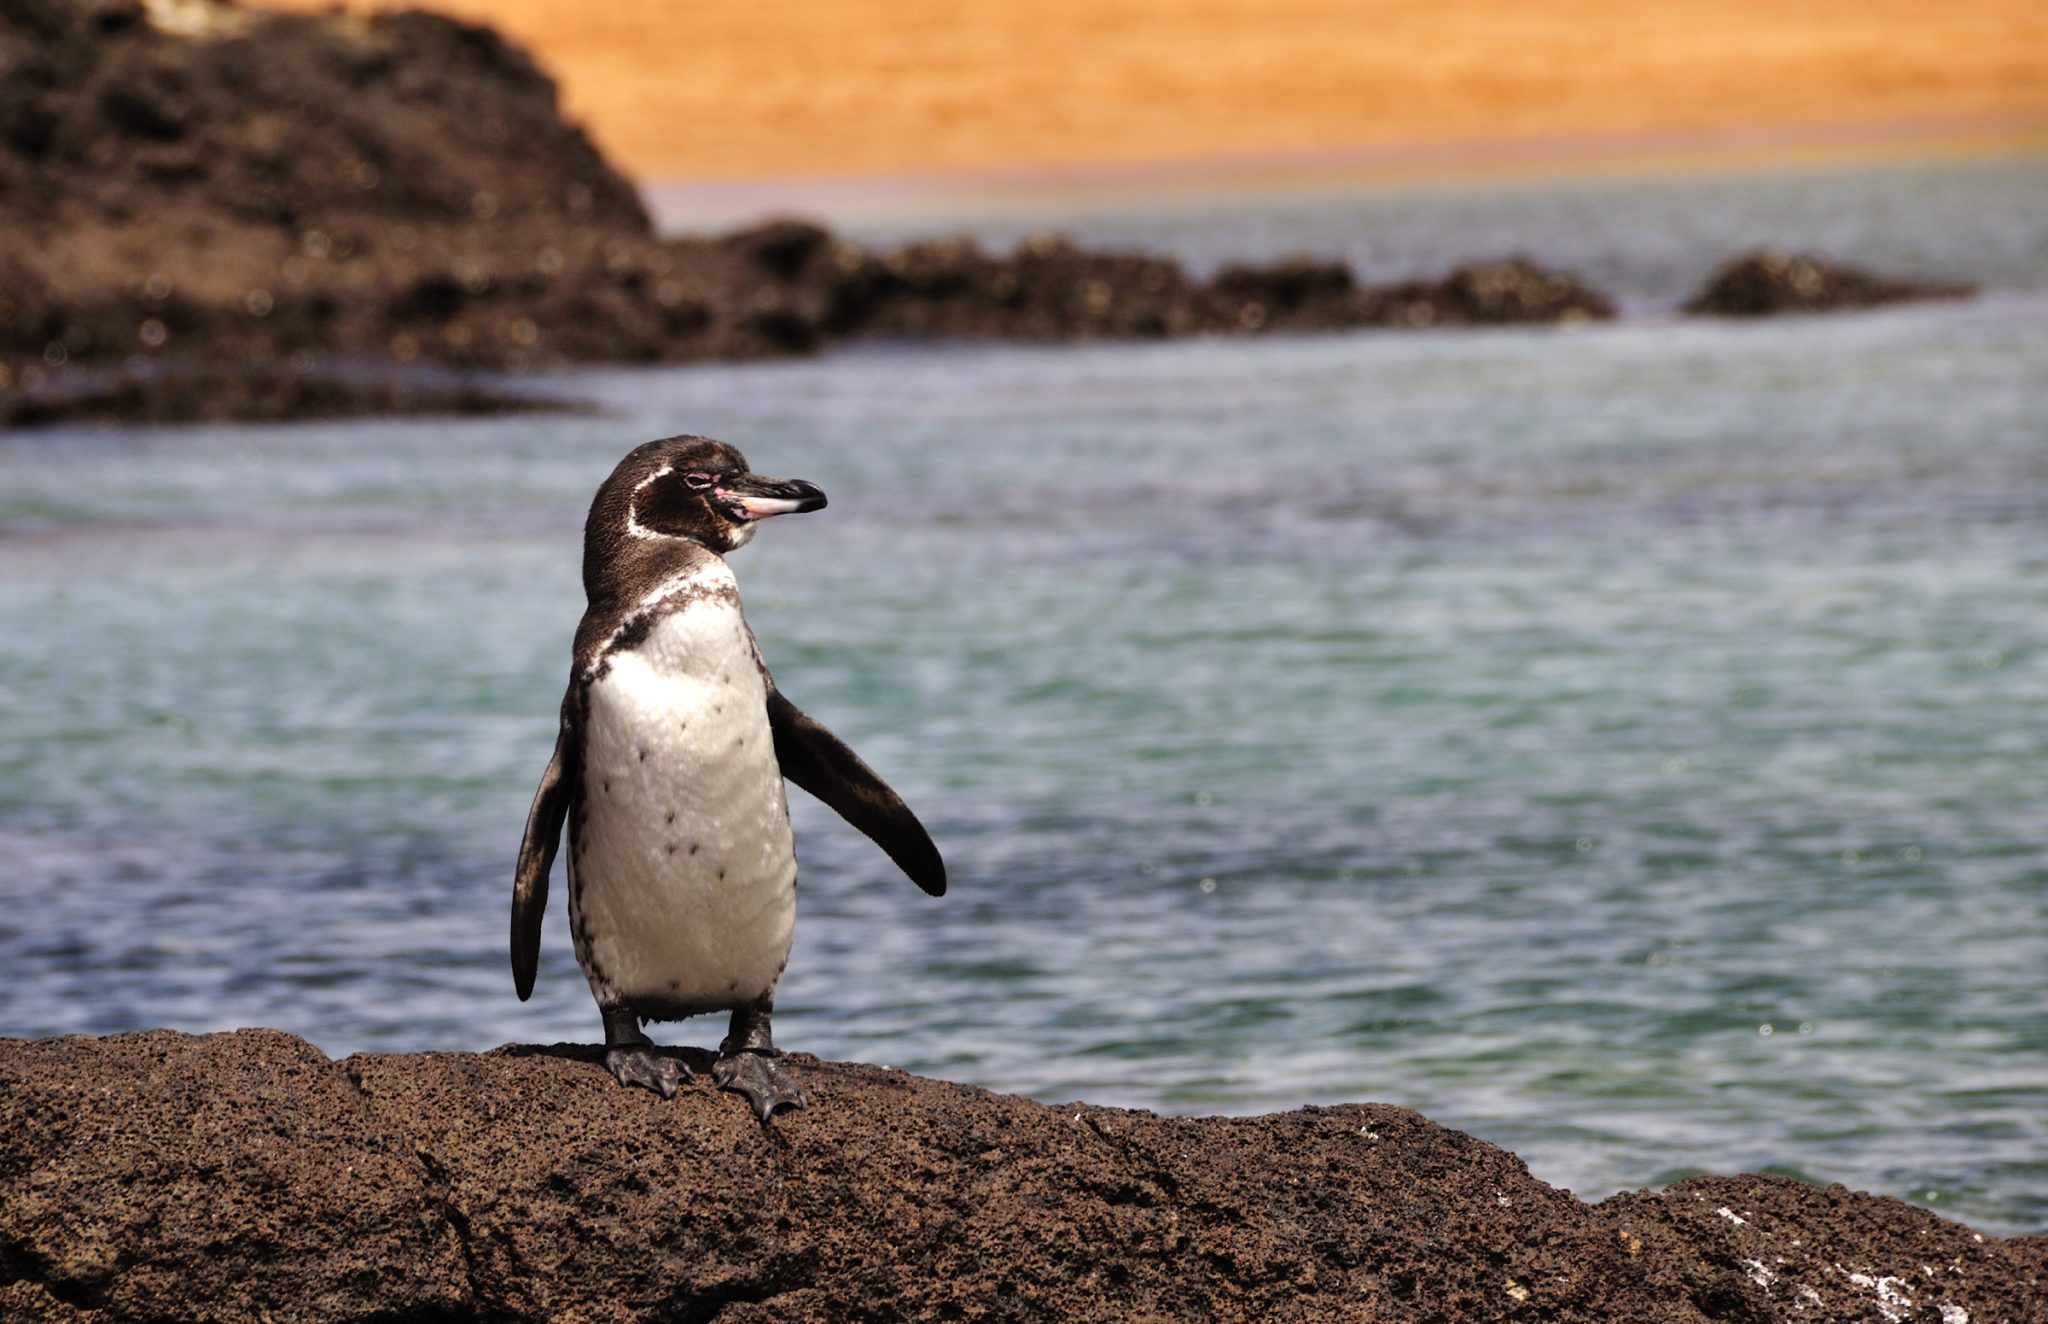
<point x="645" y="1064"/>
<point x="766" y="1085"/>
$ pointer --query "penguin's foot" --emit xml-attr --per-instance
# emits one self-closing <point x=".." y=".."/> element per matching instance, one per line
<point x="766" y="1085"/>
<point x="645" y="1064"/>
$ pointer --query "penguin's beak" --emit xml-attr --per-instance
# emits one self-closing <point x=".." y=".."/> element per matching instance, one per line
<point x="752" y="497"/>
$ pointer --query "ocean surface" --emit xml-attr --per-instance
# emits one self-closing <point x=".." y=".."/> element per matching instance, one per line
<point x="1627" y="744"/>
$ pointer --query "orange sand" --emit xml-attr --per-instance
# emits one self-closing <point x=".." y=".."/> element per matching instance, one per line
<point x="699" y="89"/>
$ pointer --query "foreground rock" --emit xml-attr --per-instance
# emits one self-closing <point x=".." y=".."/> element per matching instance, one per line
<point x="1769" y="281"/>
<point x="245" y="1176"/>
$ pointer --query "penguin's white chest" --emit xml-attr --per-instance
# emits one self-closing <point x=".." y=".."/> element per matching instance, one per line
<point x="684" y="892"/>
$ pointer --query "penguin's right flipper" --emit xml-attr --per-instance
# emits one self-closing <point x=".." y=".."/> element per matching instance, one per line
<point x="536" y="857"/>
<point x="821" y="763"/>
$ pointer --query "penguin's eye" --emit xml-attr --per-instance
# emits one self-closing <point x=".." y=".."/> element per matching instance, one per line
<point x="700" y="482"/>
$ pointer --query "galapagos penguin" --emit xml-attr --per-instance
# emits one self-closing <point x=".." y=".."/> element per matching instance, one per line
<point x="668" y="770"/>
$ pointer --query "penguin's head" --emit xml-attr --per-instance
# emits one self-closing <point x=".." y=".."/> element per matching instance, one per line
<point x="691" y="488"/>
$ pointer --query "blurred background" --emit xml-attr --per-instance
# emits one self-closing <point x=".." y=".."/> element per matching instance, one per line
<point x="840" y="108"/>
<point x="1337" y="662"/>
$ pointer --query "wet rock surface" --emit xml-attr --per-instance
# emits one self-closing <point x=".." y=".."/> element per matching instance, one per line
<point x="1770" y="281"/>
<point x="159" y="1175"/>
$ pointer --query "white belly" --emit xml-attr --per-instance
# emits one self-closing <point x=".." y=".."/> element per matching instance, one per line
<point x="684" y="889"/>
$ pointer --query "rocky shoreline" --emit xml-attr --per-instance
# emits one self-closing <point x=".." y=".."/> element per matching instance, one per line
<point x="245" y="1175"/>
<point x="1770" y="282"/>
<point x="191" y="191"/>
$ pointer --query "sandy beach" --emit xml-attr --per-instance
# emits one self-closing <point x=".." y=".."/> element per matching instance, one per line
<point x="858" y="87"/>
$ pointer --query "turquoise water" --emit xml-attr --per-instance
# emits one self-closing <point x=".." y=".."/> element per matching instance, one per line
<point x="1629" y="745"/>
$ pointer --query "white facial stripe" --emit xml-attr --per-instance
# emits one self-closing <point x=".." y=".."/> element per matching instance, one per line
<point x="634" y="528"/>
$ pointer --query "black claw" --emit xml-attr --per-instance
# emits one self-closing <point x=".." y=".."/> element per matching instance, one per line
<point x="766" y="1085"/>
<point x="646" y="1065"/>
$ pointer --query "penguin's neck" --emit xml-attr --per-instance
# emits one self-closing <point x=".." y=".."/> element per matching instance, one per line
<point x="632" y="606"/>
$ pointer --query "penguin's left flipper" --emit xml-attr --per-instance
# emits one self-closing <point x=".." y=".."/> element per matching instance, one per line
<point x="536" y="857"/>
<point x="766" y="1085"/>
<point x="820" y="763"/>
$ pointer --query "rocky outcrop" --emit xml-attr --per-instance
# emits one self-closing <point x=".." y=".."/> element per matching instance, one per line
<point x="190" y="189"/>
<point x="244" y="1176"/>
<point x="1770" y="281"/>
<point x="204" y="113"/>
<point x="214" y="393"/>
<point x="1049" y="289"/>
<point x="193" y="182"/>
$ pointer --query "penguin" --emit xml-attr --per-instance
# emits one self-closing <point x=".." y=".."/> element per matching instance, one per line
<point x="668" y="771"/>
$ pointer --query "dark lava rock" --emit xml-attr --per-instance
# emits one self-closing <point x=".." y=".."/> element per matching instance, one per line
<point x="1745" y="1248"/>
<point x="245" y="1176"/>
<point x="208" y="189"/>
<point x="1515" y="291"/>
<point x="213" y="394"/>
<point x="159" y="1176"/>
<point x="204" y="183"/>
<point x="1304" y="294"/>
<point x="1296" y="294"/>
<point x="1048" y="289"/>
<point x="208" y="114"/>
<point x="1768" y="281"/>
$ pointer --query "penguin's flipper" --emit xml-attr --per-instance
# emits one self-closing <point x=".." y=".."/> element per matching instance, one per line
<point x="820" y="763"/>
<point x="536" y="857"/>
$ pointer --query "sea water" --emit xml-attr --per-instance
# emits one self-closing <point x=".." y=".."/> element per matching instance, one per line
<point x="1628" y="744"/>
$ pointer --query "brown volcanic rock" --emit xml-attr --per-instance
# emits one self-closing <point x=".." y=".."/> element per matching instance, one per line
<point x="190" y="181"/>
<point x="160" y="1175"/>
<point x="894" y="1196"/>
<point x="212" y="394"/>
<point x="166" y="1176"/>
<point x="1048" y="289"/>
<point x="1295" y="294"/>
<point x="1769" y="281"/>
<point x="1305" y="294"/>
<point x="1745" y="1248"/>
<point x="184" y="112"/>
<point x="1515" y="291"/>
